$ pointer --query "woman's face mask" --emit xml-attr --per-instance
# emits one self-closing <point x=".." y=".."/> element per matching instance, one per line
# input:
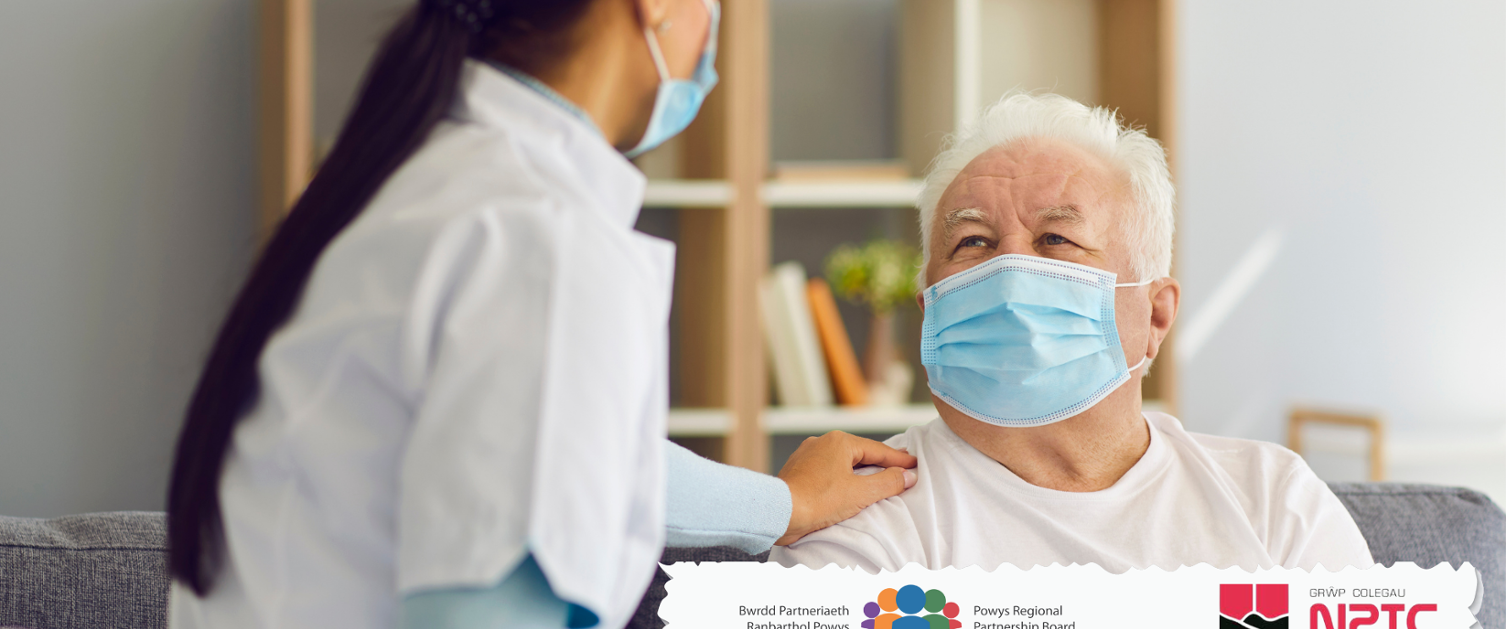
<point x="679" y="100"/>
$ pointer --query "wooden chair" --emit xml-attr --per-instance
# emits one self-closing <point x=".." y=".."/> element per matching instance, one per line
<point x="1370" y="422"/>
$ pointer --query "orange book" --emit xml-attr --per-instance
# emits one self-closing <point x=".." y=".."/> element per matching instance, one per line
<point x="846" y="376"/>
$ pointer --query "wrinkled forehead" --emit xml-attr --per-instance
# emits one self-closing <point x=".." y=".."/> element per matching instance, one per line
<point x="1034" y="172"/>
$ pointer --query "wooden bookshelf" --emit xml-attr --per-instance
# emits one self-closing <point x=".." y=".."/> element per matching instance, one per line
<point x="781" y="420"/>
<point x="285" y="141"/>
<point x="952" y="59"/>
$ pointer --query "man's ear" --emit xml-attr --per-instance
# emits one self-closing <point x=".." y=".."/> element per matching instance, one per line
<point x="920" y="300"/>
<point x="651" y="13"/>
<point x="1165" y="300"/>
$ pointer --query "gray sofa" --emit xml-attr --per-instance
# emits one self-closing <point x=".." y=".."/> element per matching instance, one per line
<point x="106" y="570"/>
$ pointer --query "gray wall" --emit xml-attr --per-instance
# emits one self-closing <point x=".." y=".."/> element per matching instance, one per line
<point x="346" y="35"/>
<point x="833" y="79"/>
<point x="127" y="213"/>
<point x="1362" y="147"/>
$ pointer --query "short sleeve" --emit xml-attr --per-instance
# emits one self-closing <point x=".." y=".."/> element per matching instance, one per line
<point x="541" y="429"/>
<point x="1310" y="527"/>
<point x="476" y="340"/>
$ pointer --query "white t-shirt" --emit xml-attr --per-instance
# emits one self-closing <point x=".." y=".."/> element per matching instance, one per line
<point x="1190" y="499"/>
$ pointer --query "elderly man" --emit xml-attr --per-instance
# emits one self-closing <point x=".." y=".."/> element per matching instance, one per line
<point x="1047" y="232"/>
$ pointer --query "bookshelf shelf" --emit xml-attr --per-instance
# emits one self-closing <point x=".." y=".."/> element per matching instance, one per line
<point x="699" y="422"/>
<point x="799" y="421"/>
<point x="715" y="422"/>
<point x="691" y="193"/>
<point x="842" y="194"/>
<point x="687" y="193"/>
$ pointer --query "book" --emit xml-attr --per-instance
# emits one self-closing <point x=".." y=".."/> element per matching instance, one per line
<point x="800" y="374"/>
<point x="780" y="345"/>
<point x="846" y="376"/>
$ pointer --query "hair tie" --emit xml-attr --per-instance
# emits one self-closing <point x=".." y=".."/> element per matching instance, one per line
<point x="476" y="15"/>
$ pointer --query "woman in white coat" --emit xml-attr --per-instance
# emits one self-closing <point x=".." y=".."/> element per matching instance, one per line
<point x="440" y="397"/>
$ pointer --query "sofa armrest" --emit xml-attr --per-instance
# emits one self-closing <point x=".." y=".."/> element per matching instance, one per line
<point x="1429" y="525"/>
<point x="92" y="570"/>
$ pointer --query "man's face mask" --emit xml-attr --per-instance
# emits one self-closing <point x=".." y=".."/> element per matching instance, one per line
<point x="1023" y="341"/>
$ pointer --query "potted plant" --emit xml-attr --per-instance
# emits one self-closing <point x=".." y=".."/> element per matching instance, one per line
<point x="881" y="276"/>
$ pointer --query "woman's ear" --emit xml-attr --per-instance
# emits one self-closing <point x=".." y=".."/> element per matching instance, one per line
<point x="1165" y="300"/>
<point x="651" y="13"/>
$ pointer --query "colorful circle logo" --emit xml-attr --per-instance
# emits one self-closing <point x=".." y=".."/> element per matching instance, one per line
<point x="911" y="608"/>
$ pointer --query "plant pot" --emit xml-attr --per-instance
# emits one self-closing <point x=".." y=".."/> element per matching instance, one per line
<point x="881" y="351"/>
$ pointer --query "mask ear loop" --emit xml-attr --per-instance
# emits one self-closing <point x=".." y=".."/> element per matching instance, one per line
<point x="713" y="9"/>
<point x="658" y="55"/>
<point x="1142" y="358"/>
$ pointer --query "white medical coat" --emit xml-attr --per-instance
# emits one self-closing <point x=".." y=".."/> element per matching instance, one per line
<point x="477" y="370"/>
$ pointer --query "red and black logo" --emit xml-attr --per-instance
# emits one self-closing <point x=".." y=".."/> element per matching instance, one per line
<point x="1246" y="606"/>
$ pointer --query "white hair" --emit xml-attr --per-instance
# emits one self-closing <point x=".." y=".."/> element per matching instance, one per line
<point x="1022" y="116"/>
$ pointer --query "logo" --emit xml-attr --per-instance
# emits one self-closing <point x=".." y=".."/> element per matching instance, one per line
<point x="912" y="608"/>
<point x="1246" y="606"/>
<point x="1372" y="614"/>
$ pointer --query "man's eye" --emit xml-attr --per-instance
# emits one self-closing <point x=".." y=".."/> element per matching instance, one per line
<point x="1053" y="239"/>
<point x="973" y="241"/>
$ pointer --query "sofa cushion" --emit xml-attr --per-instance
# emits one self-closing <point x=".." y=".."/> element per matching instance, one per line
<point x="1429" y="525"/>
<point x="100" y="570"/>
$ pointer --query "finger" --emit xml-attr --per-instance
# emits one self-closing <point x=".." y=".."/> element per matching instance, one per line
<point x="886" y="484"/>
<point x="870" y="452"/>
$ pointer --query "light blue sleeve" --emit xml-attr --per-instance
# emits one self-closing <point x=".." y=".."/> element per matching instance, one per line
<point x="523" y="600"/>
<point x="711" y="504"/>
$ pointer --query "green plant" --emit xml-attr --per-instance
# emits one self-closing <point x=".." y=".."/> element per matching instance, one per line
<point x="879" y="274"/>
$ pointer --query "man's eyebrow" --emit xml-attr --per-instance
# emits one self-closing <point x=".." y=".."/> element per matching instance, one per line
<point x="959" y="216"/>
<point x="1068" y="214"/>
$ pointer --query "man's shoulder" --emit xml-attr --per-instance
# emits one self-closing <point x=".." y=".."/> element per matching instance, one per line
<point x="1232" y="453"/>
<point x="887" y="530"/>
<point x="941" y="455"/>
<point x="927" y="442"/>
<point x="871" y="540"/>
<point x="1297" y="516"/>
<point x="1260" y="470"/>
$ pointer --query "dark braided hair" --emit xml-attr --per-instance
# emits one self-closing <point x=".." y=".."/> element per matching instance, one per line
<point x="409" y="87"/>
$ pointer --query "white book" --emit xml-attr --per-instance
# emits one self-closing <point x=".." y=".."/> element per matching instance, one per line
<point x="794" y="302"/>
<point x="779" y="340"/>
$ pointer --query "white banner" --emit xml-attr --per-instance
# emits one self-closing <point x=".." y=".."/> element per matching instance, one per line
<point x="769" y="596"/>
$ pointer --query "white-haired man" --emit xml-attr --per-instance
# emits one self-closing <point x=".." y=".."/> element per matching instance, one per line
<point x="1047" y="232"/>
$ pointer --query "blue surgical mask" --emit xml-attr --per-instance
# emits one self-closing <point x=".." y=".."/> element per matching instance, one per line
<point x="678" y="100"/>
<point x="1023" y="341"/>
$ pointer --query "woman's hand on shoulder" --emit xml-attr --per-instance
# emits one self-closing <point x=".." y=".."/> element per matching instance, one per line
<point x="824" y="490"/>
